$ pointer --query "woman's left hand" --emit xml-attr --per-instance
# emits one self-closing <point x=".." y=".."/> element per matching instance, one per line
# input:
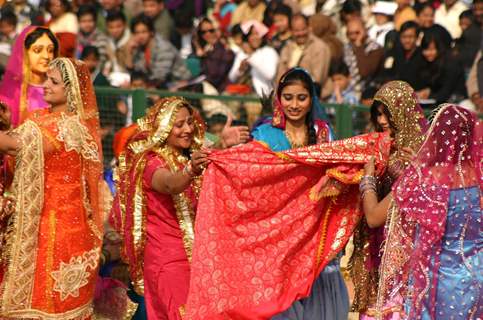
<point x="199" y="160"/>
<point x="406" y="155"/>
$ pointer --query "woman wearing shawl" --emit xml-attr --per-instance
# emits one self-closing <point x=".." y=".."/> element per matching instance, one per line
<point x="433" y="252"/>
<point x="22" y="84"/>
<point x="299" y="121"/>
<point x="54" y="236"/>
<point x="155" y="206"/>
<point x="397" y="111"/>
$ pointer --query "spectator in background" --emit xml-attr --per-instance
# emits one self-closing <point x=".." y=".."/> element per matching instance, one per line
<point x="306" y="51"/>
<point x="216" y="59"/>
<point x="281" y="22"/>
<point x="325" y="29"/>
<point x="64" y="25"/>
<point x="8" y="33"/>
<point x="403" y="13"/>
<point x="88" y="33"/>
<point x="344" y="92"/>
<point x="118" y="35"/>
<point x="448" y="15"/>
<point x="222" y="12"/>
<point x="383" y="12"/>
<point x="150" y="53"/>
<point x="26" y="13"/>
<point x="248" y="10"/>
<point x="163" y="23"/>
<point x="404" y="61"/>
<point x="425" y="19"/>
<point x="92" y="58"/>
<point x="468" y="45"/>
<point x="478" y="11"/>
<point x="443" y="76"/>
<point x="362" y="55"/>
<point x="216" y="123"/>
<point x="351" y="9"/>
<point x="256" y="65"/>
<point x="109" y="6"/>
<point x="236" y="39"/>
<point x="182" y="35"/>
<point x="474" y="85"/>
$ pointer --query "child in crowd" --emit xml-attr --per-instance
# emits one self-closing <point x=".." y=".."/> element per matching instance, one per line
<point x="92" y="58"/>
<point x="343" y="89"/>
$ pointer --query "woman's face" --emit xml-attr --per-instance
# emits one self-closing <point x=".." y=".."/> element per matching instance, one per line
<point x="296" y="102"/>
<point x="54" y="90"/>
<point x="181" y="136"/>
<point x="431" y="52"/>
<point x="382" y="120"/>
<point x="40" y="53"/>
<point x="208" y="32"/>
<point x="408" y="39"/>
<point x="254" y="40"/>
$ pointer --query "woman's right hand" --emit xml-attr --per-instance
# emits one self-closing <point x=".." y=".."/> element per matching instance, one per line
<point x="199" y="160"/>
<point x="369" y="167"/>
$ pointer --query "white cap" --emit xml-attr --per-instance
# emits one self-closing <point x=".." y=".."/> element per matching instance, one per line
<point x="384" y="7"/>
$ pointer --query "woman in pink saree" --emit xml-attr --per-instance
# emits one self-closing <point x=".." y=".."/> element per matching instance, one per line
<point x="155" y="206"/>
<point x="21" y="88"/>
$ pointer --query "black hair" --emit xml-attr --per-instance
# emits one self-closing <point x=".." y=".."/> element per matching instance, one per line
<point x="300" y="76"/>
<point x="183" y="19"/>
<point x="283" y="10"/>
<point x="468" y="14"/>
<point x="236" y="30"/>
<point x="338" y="67"/>
<point x="350" y="7"/>
<point x="90" y="50"/>
<point x="65" y="3"/>
<point x="115" y="15"/>
<point x="433" y="37"/>
<point x="420" y="8"/>
<point x="247" y="35"/>
<point x="409" y="25"/>
<point x="86" y="9"/>
<point x="142" y="19"/>
<point x="199" y="32"/>
<point x="8" y="17"/>
<point x="217" y="118"/>
<point x="368" y="93"/>
<point x="39" y="32"/>
<point x="297" y="16"/>
<point x="375" y="113"/>
<point x="139" y="75"/>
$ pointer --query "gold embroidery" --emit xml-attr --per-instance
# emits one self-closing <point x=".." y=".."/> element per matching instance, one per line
<point x="28" y="190"/>
<point x="323" y="234"/>
<point x="76" y="137"/>
<point x="74" y="275"/>
<point x="50" y="256"/>
<point x="83" y="312"/>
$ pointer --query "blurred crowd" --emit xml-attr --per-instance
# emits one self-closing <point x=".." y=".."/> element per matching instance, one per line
<point x="349" y="47"/>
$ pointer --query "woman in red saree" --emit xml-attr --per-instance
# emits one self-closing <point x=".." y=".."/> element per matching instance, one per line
<point x="156" y="201"/>
<point x="55" y="234"/>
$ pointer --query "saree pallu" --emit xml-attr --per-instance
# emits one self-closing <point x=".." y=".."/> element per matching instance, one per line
<point x="54" y="237"/>
<point x="268" y="223"/>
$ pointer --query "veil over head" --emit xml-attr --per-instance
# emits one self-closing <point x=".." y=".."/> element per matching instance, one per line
<point x="449" y="158"/>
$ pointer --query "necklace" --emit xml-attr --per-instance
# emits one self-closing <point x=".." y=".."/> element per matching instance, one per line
<point x="296" y="143"/>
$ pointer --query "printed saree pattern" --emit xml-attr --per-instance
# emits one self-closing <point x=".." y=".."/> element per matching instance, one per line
<point x="267" y="224"/>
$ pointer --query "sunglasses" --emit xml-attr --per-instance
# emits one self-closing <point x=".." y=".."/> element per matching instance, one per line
<point x="207" y="30"/>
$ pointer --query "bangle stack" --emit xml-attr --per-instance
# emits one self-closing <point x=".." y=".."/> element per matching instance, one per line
<point x="188" y="169"/>
<point x="367" y="184"/>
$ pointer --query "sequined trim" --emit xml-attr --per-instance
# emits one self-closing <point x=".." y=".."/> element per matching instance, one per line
<point x="28" y="190"/>
<point x="83" y="312"/>
<point x="76" y="137"/>
<point x="74" y="275"/>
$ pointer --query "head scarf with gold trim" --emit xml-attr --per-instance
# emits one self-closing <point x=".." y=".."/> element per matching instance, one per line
<point x="129" y="209"/>
<point x="79" y="130"/>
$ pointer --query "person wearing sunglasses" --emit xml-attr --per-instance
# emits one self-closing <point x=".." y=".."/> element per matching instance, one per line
<point x="216" y="59"/>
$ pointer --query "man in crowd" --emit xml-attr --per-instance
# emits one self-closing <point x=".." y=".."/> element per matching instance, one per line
<point x="248" y="10"/>
<point x="163" y="23"/>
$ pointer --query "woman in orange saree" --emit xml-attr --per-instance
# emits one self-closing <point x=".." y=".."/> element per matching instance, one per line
<point x="54" y="237"/>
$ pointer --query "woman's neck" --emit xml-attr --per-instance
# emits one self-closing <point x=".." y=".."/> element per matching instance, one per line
<point x="296" y="126"/>
<point x="58" y="108"/>
<point x="37" y="78"/>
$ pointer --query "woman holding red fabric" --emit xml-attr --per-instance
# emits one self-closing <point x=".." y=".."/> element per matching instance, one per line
<point x="395" y="110"/>
<point x="298" y="121"/>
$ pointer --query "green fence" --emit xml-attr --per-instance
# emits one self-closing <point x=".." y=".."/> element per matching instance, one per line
<point x="119" y="107"/>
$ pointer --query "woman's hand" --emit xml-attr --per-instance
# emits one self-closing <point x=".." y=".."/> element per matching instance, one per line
<point x="233" y="135"/>
<point x="369" y="167"/>
<point x="406" y="155"/>
<point x="199" y="160"/>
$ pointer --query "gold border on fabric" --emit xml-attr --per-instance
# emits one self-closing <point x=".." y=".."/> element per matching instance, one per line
<point x="323" y="233"/>
<point x="28" y="190"/>
<point x="79" y="313"/>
